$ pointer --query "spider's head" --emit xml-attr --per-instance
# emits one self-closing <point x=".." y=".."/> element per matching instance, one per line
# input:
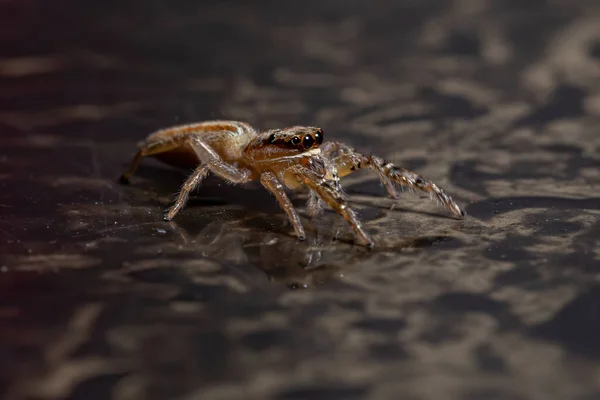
<point x="292" y="141"/>
<point x="305" y="138"/>
<point x="301" y="138"/>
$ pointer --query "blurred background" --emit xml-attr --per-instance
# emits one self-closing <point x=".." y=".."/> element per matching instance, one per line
<point x="496" y="101"/>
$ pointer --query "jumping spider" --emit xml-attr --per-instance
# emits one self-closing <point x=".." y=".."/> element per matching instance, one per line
<point x="280" y="159"/>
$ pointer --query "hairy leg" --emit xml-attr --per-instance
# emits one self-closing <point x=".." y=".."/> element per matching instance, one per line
<point x="216" y="164"/>
<point x="213" y="163"/>
<point x="314" y="205"/>
<point x="346" y="160"/>
<point x="331" y="193"/>
<point x="270" y="182"/>
<point x="190" y="184"/>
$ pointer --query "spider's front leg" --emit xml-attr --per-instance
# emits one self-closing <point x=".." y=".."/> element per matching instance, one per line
<point x="330" y="192"/>
<point x="272" y="184"/>
<point x="347" y="160"/>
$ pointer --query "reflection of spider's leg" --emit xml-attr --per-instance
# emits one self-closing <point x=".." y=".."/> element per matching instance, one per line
<point x="216" y="164"/>
<point x="183" y="234"/>
<point x="271" y="183"/>
<point x="348" y="161"/>
<point x="331" y="193"/>
<point x="190" y="184"/>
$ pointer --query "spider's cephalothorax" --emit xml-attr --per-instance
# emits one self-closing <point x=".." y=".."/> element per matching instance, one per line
<point x="279" y="159"/>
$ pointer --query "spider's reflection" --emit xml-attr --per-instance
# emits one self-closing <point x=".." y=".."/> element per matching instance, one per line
<point x="283" y="258"/>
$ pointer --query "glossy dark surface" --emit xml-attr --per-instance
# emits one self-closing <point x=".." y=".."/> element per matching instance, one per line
<point x="498" y="102"/>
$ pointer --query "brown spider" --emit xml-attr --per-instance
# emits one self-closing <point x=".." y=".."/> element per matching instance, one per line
<point x="279" y="158"/>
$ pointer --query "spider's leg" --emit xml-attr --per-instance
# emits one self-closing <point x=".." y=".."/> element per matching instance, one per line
<point x="314" y="205"/>
<point x="190" y="184"/>
<point x="331" y="193"/>
<point x="212" y="162"/>
<point x="348" y="161"/>
<point x="216" y="164"/>
<point x="135" y="163"/>
<point x="273" y="185"/>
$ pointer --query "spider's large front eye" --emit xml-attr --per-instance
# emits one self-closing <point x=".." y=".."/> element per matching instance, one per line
<point x="308" y="141"/>
<point x="295" y="140"/>
<point x="319" y="137"/>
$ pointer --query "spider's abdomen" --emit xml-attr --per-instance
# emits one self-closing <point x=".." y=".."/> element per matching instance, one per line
<point x="173" y="145"/>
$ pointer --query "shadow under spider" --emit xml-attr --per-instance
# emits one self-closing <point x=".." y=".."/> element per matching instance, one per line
<point x="288" y="261"/>
<point x="253" y="221"/>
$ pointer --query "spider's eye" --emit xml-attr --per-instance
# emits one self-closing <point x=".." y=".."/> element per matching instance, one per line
<point x="319" y="137"/>
<point x="308" y="141"/>
<point x="295" y="140"/>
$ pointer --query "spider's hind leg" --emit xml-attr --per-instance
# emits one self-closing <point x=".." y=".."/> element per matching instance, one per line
<point x="135" y="163"/>
<point x="190" y="184"/>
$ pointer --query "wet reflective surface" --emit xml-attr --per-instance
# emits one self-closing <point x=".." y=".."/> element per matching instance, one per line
<point x="499" y="104"/>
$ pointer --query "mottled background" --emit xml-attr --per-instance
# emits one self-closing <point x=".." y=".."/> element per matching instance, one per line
<point x="497" y="101"/>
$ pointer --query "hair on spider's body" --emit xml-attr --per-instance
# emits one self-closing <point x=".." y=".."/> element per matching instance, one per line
<point x="278" y="158"/>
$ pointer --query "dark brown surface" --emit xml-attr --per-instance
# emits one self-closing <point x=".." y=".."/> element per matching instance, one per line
<point x="498" y="102"/>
